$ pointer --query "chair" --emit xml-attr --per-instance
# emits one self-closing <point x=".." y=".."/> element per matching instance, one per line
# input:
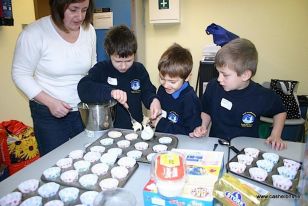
<point x="293" y="130"/>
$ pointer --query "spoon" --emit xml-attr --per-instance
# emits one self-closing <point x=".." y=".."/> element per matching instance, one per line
<point x="227" y="143"/>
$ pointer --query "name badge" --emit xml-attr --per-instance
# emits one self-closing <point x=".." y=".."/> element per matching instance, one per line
<point x="226" y="104"/>
<point x="112" y="81"/>
<point x="164" y="114"/>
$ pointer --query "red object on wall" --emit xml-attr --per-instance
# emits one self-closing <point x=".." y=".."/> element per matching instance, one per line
<point x="1" y="9"/>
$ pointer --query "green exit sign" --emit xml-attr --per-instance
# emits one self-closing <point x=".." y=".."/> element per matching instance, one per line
<point x="163" y="4"/>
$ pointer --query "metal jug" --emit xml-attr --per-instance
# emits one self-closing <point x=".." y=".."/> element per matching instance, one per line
<point x="98" y="117"/>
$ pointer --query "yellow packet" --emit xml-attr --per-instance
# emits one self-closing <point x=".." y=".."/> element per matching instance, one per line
<point x="230" y="190"/>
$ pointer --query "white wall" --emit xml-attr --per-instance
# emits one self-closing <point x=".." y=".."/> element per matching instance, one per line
<point x="277" y="28"/>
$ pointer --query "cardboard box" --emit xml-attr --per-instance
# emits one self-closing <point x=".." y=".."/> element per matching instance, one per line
<point x="203" y="169"/>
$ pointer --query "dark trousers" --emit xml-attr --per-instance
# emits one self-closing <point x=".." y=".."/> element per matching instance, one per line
<point x="50" y="131"/>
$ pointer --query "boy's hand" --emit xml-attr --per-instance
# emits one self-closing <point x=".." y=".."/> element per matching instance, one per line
<point x="198" y="132"/>
<point x="120" y="96"/>
<point x="276" y="143"/>
<point x="155" y="109"/>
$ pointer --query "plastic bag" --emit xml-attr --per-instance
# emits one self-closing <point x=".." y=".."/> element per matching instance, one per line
<point x="221" y="36"/>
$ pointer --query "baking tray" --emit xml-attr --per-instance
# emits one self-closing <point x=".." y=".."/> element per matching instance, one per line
<point x="151" y="143"/>
<point x="268" y="181"/>
<point x="96" y="187"/>
<point x="26" y="196"/>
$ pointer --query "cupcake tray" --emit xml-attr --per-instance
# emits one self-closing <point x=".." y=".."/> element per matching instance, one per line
<point x="95" y="187"/>
<point x="26" y="196"/>
<point x="152" y="142"/>
<point x="268" y="181"/>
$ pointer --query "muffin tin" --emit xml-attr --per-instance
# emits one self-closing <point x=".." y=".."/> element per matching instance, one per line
<point x="75" y="181"/>
<point x="166" y="142"/>
<point x="268" y="181"/>
<point x="36" y="197"/>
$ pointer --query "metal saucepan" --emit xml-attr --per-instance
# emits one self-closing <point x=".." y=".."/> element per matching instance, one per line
<point x="98" y="117"/>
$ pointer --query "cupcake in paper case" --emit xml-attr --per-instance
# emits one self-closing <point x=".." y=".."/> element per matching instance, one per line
<point x="287" y="172"/>
<point x="135" y="154"/>
<point x="165" y="140"/>
<point x="109" y="183"/>
<point x="69" y="176"/>
<point x="109" y="158"/>
<point x="11" y="199"/>
<point x="115" y="151"/>
<point x="33" y="201"/>
<point x="127" y="162"/>
<point x="123" y="143"/>
<point x="265" y="164"/>
<point x="48" y="190"/>
<point x="258" y="174"/>
<point x="151" y="156"/>
<point x="272" y="157"/>
<point x="76" y="154"/>
<point x="92" y="156"/>
<point x="119" y="172"/>
<point x="114" y="134"/>
<point x="28" y="186"/>
<point x="291" y="164"/>
<point x="69" y="194"/>
<point x="54" y="203"/>
<point x="141" y="146"/>
<point x="252" y="152"/>
<point x="160" y="148"/>
<point x="244" y="159"/>
<point x="106" y="141"/>
<point x="52" y="173"/>
<point x="65" y="163"/>
<point x="237" y="167"/>
<point x="99" y="149"/>
<point x="82" y="166"/>
<point x="131" y="136"/>
<point x="88" y="181"/>
<point x="100" y="169"/>
<point x="281" y="182"/>
<point x="87" y="198"/>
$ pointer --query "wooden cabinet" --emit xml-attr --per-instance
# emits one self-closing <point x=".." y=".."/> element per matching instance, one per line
<point x="41" y="8"/>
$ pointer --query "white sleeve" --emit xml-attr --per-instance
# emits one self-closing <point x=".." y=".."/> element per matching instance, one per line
<point x="26" y="57"/>
<point x="94" y="54"/>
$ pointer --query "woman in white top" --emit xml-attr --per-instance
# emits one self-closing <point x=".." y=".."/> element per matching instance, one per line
<point x="52" y="54"/>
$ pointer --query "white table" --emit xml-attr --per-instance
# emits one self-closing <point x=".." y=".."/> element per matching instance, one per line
<point x="142" y="174"/>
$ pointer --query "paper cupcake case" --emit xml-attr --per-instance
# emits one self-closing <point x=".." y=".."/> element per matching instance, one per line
<point x="156" y="140"/>
<point x="27" y="196"/>
<point x="268" y="181"/>
<point x="96" y="186"/>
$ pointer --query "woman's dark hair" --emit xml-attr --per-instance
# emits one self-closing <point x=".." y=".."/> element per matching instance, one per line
<point x="58" y="7"/>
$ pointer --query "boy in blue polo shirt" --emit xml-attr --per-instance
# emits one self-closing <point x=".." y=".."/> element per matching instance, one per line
<point x="180" y="104"/>
<point x="234" y="103"/>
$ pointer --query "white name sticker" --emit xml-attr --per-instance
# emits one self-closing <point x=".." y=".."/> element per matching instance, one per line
<point x="164" y="114"/>
<point x="226" y="104"/>
<point x="112" y="81"/>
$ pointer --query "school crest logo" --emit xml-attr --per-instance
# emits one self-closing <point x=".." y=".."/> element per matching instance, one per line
<point x="173" y="117"/>
<point x="135" y="85"/>
<point x="248" y="119"/>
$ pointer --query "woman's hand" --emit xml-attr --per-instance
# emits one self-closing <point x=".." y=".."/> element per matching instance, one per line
<point x="56" y="107"/>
